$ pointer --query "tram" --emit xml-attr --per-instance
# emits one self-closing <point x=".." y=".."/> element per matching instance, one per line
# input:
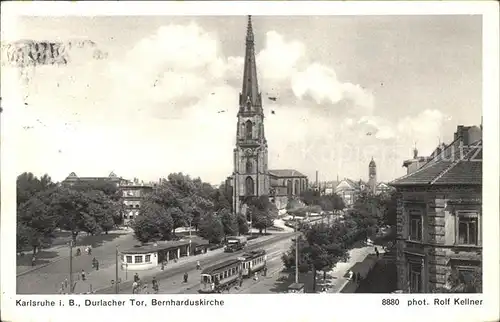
<point x="253" y="262"/>
<point x="216" y="278"/>
<point x="223" y="276"/>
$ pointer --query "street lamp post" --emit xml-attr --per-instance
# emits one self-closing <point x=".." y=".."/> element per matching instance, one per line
<point x="296" y="251"/>
<point x="71" y="266"/>
<point x="117" y="290"/>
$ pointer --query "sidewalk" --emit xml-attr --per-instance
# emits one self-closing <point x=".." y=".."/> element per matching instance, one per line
<point x="48" y="278"/>
<point x="337" y="279"/>
<point x="48" y="256"/>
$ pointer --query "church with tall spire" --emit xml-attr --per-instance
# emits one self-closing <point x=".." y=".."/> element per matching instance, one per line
<point x="251" y="177"/>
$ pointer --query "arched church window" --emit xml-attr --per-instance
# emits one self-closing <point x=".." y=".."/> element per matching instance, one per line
<point x="289" y="187"/>
<point x="249" y="166"/>
<point x="297" y="188"/>
<point x="249" y="186"/>
<point x="248" y="130"/>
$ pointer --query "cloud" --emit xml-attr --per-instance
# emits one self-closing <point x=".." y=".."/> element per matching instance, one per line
<point x="170" y="103"/>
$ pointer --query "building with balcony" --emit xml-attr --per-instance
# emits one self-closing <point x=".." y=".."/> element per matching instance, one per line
<point x="133" y="194"/>
<point x="439" y="216"/>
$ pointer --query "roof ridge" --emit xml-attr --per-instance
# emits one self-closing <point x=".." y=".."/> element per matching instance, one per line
<point x="439" y="176"/>
<point x="442" y="152"/>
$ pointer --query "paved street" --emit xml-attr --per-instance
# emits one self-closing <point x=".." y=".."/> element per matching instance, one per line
<point x="48" y="279"/>
<point x="264" y="284"/>
<point x="171" y="283"/>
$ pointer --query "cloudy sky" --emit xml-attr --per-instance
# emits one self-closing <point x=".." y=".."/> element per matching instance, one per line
<point x="347" y="89"/>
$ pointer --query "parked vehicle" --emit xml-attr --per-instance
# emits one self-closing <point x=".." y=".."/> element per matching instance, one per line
<point x="235" y="243"/>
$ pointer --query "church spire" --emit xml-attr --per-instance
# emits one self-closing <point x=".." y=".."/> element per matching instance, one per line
<point x="250" y="96"/>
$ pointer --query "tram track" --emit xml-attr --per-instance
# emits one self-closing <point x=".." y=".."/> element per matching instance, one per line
<point x="126" y="287"/>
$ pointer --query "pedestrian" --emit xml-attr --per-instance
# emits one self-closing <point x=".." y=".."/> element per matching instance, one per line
<point x="241" y="281"/>
<point x="65" y="283"/>
<point x="136" y="278"/>
<point x="33" y="260"/>
<point x="93" y="262"/>
<point x="198" y="266"/>
<point x="134" y="287"/>
<point x="162" y="265"/>
<point x="78" y="251"/>
<point x="351" y="274"/>
<point x="265" y="271"/>
<point x="83" y="275"/>
<point x="185" y="277"/>
<point x="358" y="277"/>
<point x="255" y="277"/>
<point x="90" y="250"/>
<point x="376" y="251"/>
<point x="96" y="265"/>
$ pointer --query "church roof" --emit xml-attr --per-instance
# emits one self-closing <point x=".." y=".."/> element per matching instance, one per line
<point x="457" y="164"/>
<point x="286" y="173"/>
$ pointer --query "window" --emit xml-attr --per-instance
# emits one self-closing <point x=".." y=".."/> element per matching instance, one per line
<point x="297" y="189"/>
<point x="415" y="225"/>
<point x="129" y="259"/>
<point x="289" y="188"/>
<point x="248" y="130"/>
<point x="249" y="166"/>
<point x="138" y="259"/>
<point x="249" y="186"/>
<point x="415" y="277"/>
<point x="468" y="228"/>
<point x="148" y="259"/>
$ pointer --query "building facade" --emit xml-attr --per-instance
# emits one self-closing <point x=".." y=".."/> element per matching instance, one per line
<point x="251" y="177"/>
<point x="439" y="215"/>
<point x="133" y="194"/>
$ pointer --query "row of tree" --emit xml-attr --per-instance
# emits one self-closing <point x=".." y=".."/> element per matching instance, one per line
<point x="44" y="206"/>
<point x="181" y="201"/>
<point x="322" y="246"/>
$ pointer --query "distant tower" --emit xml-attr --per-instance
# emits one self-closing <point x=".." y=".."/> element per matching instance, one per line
<point x="372" y="175"/>
<point x="250" y="174"/>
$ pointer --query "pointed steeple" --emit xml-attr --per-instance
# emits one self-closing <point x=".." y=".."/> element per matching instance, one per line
<point x="250" y="98"/>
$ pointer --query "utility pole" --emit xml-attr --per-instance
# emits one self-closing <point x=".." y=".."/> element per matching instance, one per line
<point x="117" y="290"/>
<point x="296" y="252"/>
<point x="71" y="266"/>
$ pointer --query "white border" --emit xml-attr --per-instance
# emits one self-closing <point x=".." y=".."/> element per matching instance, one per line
<point x="273" y="307"/>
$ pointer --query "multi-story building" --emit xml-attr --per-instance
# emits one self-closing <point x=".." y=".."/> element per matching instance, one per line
<point x="251" y="176"/>
<point x="439" y="214"/>
<point x="133" y="194"/>
<point x="112" y="178"/>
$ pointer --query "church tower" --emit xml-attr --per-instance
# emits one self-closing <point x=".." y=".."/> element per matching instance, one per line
<point x="250" y="174"/>
<point x="372" y="176"/>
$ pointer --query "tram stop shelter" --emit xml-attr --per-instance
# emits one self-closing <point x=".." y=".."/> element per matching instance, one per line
<point x="296" y="288"/>
<point x="147" y="256"/>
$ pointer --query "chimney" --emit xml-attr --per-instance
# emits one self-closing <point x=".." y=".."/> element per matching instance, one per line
<point x="317" y="179"/>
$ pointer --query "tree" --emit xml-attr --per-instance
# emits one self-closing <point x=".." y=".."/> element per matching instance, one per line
<point x="320" y="248"/>
<point x="229" y="222"/>
<point x="211" y="228"/>
<point x="80" y="211"/>
<point x="28" y="185"/>
<point x="153" y="223"/>
<point x="36" y="224"/>
<point x="242" y="224"/>
<point x="263" y="212"/>
<point x="112" y="193"/>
